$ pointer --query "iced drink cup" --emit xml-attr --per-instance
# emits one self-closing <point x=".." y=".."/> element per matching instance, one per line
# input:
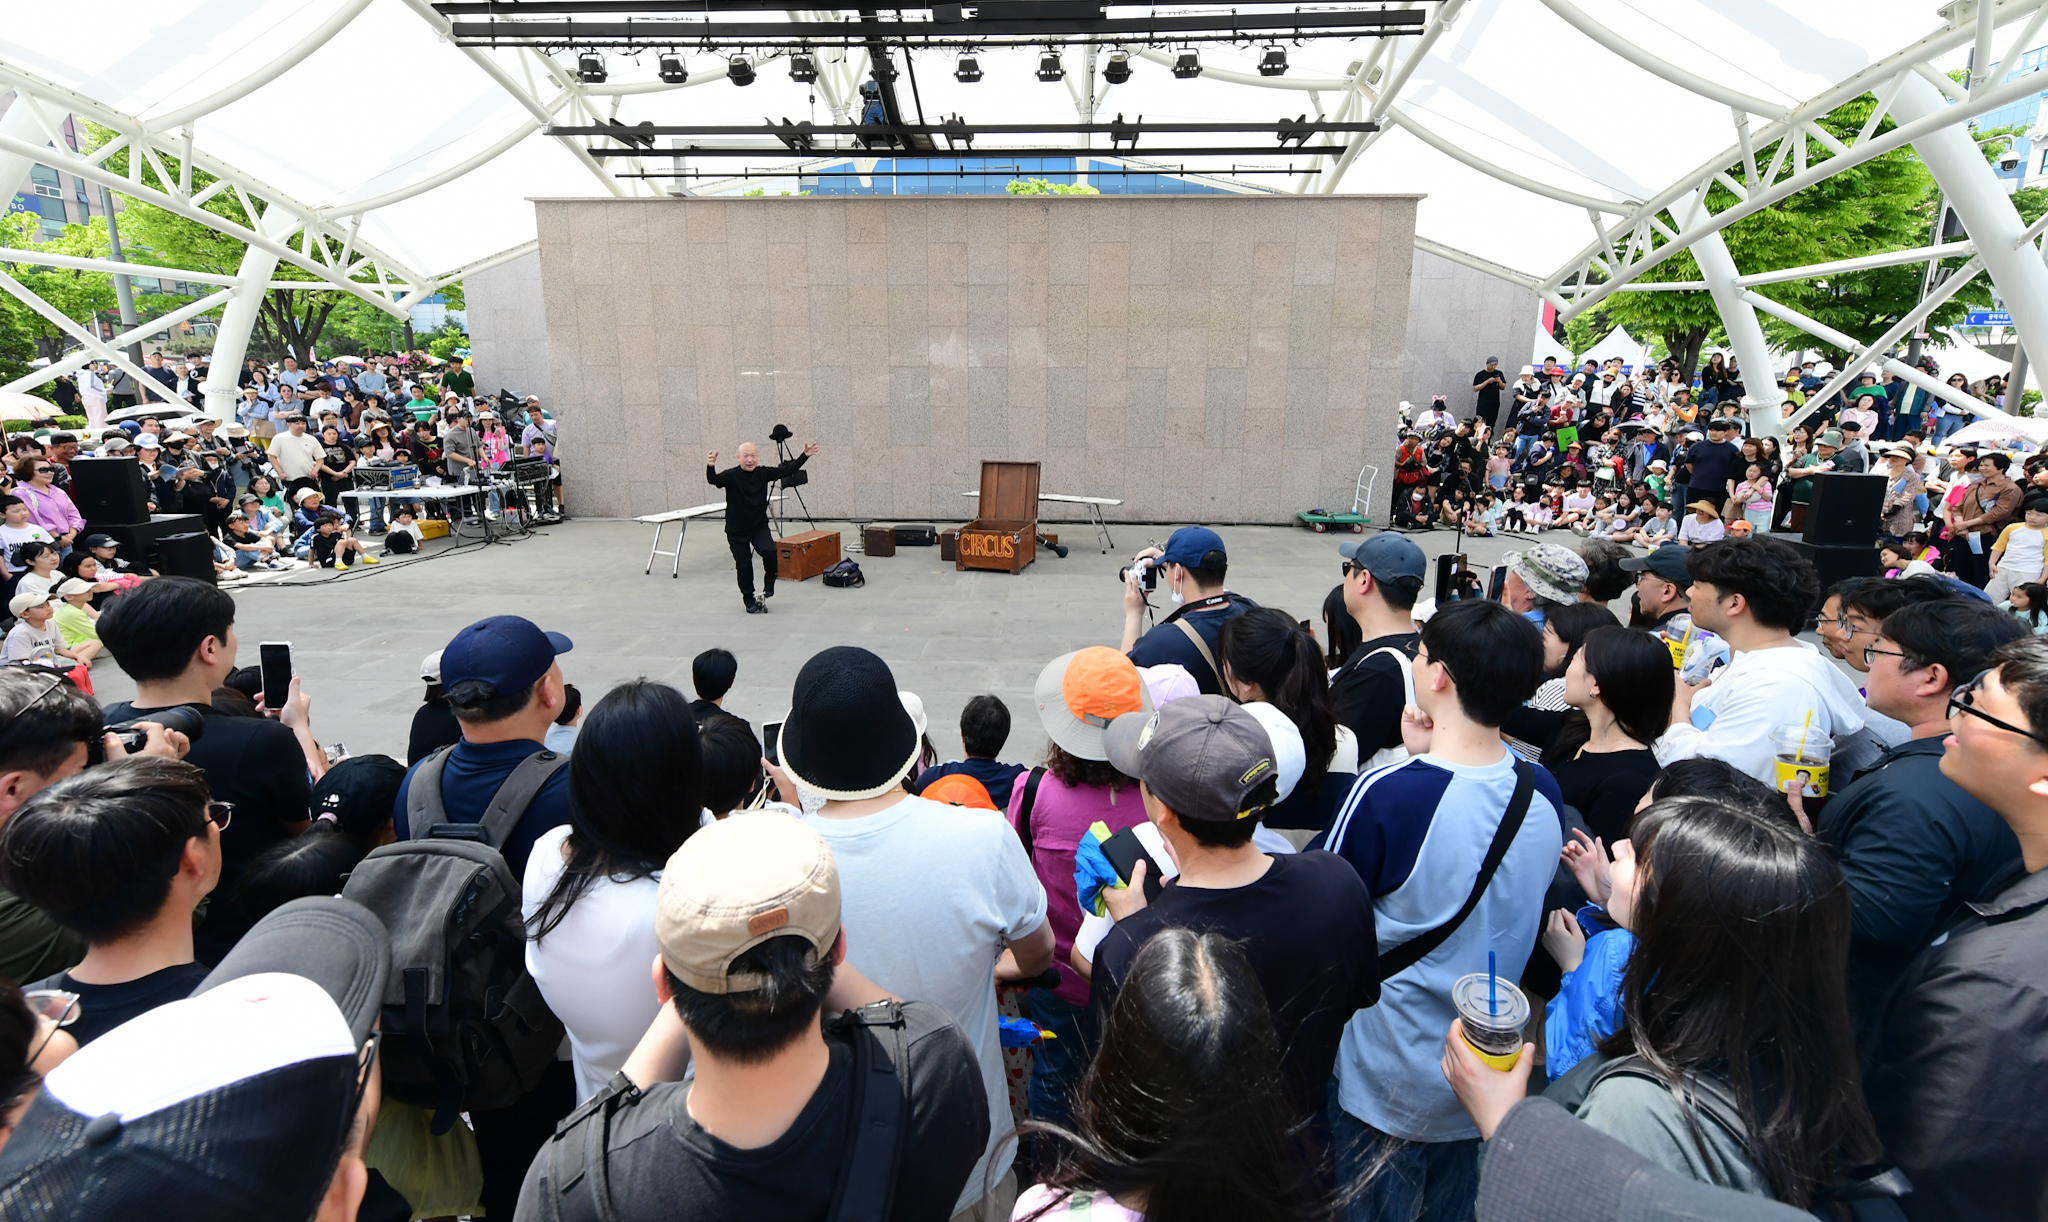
<point x="1493" y="1024"/>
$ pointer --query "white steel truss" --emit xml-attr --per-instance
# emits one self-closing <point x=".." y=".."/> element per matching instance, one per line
<point x="1631" y="237"/>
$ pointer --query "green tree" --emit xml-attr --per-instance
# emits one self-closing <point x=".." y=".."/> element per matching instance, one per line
<point x="1045" y="186"/>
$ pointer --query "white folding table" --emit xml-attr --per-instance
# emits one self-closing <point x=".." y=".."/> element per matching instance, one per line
<point x="681" y="517"/>
<point x="1094" y="504"/>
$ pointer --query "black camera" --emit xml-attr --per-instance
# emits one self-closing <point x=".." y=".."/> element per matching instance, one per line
<point x="1148" y="576"/>
<point x="184" y="719"/>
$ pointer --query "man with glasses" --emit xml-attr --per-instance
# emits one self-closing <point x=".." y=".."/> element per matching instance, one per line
<point x="1663" y="588"/>
<point x="1960" y="1063"/>
<point x="120" y="855"/>
<point x="1382" y="579"/>
<point x="1913" y="846"/>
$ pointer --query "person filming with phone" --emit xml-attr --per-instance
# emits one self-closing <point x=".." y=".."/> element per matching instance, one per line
<point x="1191" y="571"/>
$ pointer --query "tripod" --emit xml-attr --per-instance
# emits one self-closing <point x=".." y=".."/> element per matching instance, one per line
<point x="782" y="456"/>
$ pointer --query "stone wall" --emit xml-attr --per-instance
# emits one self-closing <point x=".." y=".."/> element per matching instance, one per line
<point x="508" y="330"/>
<point x="1457" y="317"/>
<point x="1204" y="358"/>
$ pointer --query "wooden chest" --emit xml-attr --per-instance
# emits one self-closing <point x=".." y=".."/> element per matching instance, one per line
<point x="878" y="541"/>
<point x="1003" y="534"/>
<point x="949" y="544"/>
<point x="802" y="556"/>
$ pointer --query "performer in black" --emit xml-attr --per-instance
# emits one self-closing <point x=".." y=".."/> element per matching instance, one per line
<point x="746" y="516"/>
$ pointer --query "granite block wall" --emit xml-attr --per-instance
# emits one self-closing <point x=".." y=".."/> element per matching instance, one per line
<point x="1204" y="358"/>
<point x="508" y="330"/>
<point x="1457" y="317"/>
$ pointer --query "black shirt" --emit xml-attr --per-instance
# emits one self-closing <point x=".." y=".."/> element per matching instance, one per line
<point x="662" y="1165"/>
<point x="1369" y="693"/>
<point x="1306" y="927"/>
<point x="103" y="1007"/>
<point x="704" y="710"/>
<point x="433" y="727"/>
<point x="1714" y="463"/>
<point x="1167" y="643"/>
<point x="255" y="763"/>
<point x="1604" y="787"/>
<point x="1489" y="396"/>
<point x="746" y="493"/>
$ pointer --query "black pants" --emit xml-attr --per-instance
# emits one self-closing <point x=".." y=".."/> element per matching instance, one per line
<point x="743" y="549"/>
<point x="1973" y="567"/>
<point x="508" y="1138"/>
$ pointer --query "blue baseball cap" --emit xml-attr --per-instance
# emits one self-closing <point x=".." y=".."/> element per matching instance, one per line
<point x="1387" y="556"/>
<point x="508" y="652"/>
<point x="1187" y="546"/>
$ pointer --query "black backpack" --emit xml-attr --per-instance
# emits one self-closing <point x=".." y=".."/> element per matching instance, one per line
<point x="465" y="1026"/>
<point x="579" y="1174"/>
<point x="844" y="575"/>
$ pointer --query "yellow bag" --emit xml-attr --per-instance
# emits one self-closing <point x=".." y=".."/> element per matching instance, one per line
<point x="433" y="528"/>
<point x="438" y="1176"/>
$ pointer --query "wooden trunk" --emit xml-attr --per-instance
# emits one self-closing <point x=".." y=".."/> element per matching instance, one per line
<point x="1004" y="532"/>
<point x="802" y="556"/>
<point x="878" y="541"/>
<point x="949" y="545"/>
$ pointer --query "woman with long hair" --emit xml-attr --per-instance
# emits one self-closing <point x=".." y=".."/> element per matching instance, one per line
<point x="1268" y="656"/>
<point x="1619" y="684"/>
<point x="588" y="898"/>
<point x="1344" y="632"/>
<point x="1530" y="728"/>
<point x="1182" y="1116"/>
<point x="1735" y="1063"/>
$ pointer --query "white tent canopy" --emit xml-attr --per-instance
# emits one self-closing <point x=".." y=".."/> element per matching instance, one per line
<point x="1617" y="344"/>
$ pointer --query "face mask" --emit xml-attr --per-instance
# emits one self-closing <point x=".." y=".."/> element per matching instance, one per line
<point x="1174" y="595"/>
<point x="1976" y="477"/>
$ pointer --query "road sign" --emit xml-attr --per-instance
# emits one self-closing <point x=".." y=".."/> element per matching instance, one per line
<point x="1988" y="318"/>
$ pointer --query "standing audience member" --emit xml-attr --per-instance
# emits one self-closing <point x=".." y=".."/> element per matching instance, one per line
<point x="1207" y="772"/>
<point x="1663" y="588"/>
<point x="561" y="736"/>
<point x="1419" y="835"/>
<point x="2021" y="550"/>
<point x="1619" y="687"/>
<point x="751" y="953"/>
<point x="1913" y="846"/>
<point x="984" y="728"/>
<point x="120" y="855"/>
<point x="1956" y="1075"/>
<point x="1541" y="578"/>
<point x="712" y="674"/>
<point x="913" y="929"/>
<point x="1184" y="1113"/>
<point x="175" y="636"/>
<point x="1382" y="579"/>
<point x="433" y="723"/>
<point x="1990" y="505"/>
<point x="1269" y="657"/>
<point x="589" y="893"/>
<point x="1191" y="571"/>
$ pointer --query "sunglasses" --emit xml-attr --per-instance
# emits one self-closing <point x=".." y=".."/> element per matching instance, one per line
<point x="1964" y="700"/>
<point x="220" y="814"/>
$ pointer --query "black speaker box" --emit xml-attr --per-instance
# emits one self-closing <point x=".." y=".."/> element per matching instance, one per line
<point x="1834" y="563"/>
<point x="109" y="491"/>
<point x="1844" y="510"/>
<point x="186" y="555"/>
<point x="135" y="541"/>
<point x="917" y="536"/>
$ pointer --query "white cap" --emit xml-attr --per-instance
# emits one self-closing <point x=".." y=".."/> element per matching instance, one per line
<point x="1290" y="754"/>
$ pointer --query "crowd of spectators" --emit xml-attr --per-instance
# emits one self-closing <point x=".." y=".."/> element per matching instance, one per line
<point x="1764" y="860"/>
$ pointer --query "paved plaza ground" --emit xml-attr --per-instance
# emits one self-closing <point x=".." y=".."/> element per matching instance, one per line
<point x="358" y="638"/>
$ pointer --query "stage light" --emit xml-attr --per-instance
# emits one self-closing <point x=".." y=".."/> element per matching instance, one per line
<point x="672" y="71"/>
<point x="1187" y="65"/>
<point x="968" y="70"/>
<point x="1118" y="69"/>
<point x="1050" y="68"/>
<point x="1274" y="63"/>
<point x="740" y="71"/>
<point x="802" y="68"/>
<point x="590" y="70"/>
<point x="885" y="72"/>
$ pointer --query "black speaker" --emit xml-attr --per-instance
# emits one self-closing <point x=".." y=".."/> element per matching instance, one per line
<point x="1835" y="563"/>
<point x="186" y="555"/>
<point x="109" y="491"/>
<point x="134" y="540"/>
<point x="1845" y="510"/>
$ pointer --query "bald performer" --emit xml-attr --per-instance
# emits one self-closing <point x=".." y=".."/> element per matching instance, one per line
<point x="746" y="516"/>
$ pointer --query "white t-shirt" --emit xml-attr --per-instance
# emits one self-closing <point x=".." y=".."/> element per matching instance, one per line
<point x="1583" y="504"/>
<point x="930" y="894"/>
<point x="1692" y="530"/>
<point x="36" y="583"/>
<point x="596" y="967"/>
<point x="12" y="537"/>
<point x="2023" y="548"/>
<point x="27" y="643"/>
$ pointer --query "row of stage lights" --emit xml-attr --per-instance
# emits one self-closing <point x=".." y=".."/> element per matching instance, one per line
<point x="803" y="69"/>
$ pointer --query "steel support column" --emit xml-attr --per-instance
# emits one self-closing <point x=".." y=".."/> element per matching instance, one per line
<point x="238" y="319"/>
<point x="1761" y="392"/>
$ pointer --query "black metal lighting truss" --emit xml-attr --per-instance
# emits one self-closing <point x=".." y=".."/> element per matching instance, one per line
<point x="921" y="139"/>
<point x="511" y="23"/>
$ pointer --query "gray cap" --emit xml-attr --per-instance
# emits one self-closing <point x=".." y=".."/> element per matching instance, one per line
<point x="1203" y="756"/>
<point x="1387" y="556"/>
<point x="1556" y="573"/>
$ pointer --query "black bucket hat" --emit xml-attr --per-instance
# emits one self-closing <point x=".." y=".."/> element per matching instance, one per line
<point x="848" y="735"/>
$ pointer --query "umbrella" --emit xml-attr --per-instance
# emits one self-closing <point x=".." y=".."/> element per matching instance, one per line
<point x="14" y="405"/>
<point x="1992" y="429"/>
<point x="349" y="360"/>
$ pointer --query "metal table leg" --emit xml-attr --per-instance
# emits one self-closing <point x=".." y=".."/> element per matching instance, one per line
<point x="1102" y="529"/>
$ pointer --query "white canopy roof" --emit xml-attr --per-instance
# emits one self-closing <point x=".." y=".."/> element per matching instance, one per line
<point x="388" y="102"/>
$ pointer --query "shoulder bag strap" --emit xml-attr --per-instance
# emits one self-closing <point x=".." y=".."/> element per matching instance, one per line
<point x="1401" y="663"/>
<point x="1413" y="951"/>
<point x="880" y="1113"/>
<point x="1024" y="808"/>
<point x="517" y="793"/>
<point x="587" y="1188"/>
<point x="423" y="807"/>
<point x="1700" y="1095"/>
<point x="1202" y="647"/>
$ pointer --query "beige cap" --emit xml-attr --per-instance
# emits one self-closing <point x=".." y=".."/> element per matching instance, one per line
<point x="736" y="884"/>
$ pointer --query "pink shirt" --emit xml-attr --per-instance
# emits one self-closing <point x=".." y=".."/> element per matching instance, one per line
<point x="1059" y="818"/>
<point x="52" y="510"/>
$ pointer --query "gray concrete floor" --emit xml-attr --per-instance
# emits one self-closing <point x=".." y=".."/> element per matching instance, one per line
<point x="947" y="635"/>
